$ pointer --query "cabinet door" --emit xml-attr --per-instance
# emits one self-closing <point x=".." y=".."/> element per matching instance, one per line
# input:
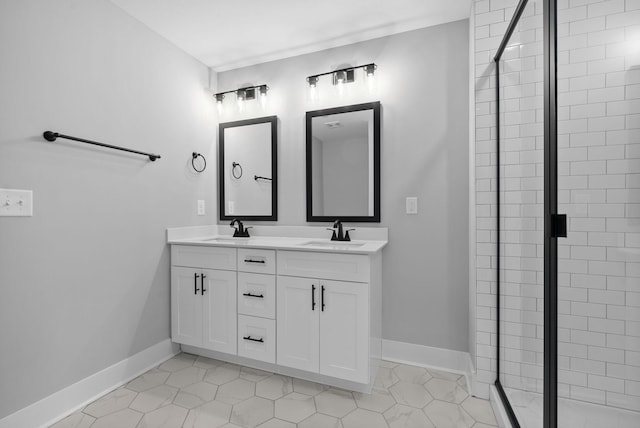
<point x="186" y="307"/>
<point x="344" y="330"/>
<point x="219" y="311"/>
<point x="297" y="323"/>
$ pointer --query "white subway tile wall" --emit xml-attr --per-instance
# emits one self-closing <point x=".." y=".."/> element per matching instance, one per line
<point x="599" y="189"/>
<point x="599" y="171"/>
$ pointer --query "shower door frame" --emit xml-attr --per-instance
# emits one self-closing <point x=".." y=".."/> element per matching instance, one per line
<point x="552" y="228"/>
<point x="551" y="218"/>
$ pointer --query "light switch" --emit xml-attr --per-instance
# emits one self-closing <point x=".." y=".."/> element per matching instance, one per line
<point x="200" y="206"/>
<point x="412" y="205"/>
<point x="16" y="203"/>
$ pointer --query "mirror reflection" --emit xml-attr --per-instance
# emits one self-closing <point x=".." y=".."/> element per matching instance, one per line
<point x="248" y="182"/>
<point x="343" y="163"/>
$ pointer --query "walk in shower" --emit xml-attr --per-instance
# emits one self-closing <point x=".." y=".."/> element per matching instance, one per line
<point x="568" y="143"/>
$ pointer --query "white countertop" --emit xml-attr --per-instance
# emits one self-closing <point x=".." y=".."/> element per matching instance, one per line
<point x="310" y="239"/>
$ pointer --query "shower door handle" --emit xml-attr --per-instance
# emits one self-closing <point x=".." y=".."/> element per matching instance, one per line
<point x="558" y="225"/>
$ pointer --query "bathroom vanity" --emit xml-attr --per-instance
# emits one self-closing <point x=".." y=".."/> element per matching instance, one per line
<point x="287" y="300"/>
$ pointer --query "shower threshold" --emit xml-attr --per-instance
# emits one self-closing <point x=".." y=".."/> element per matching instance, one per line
<point x="571" y="413"/>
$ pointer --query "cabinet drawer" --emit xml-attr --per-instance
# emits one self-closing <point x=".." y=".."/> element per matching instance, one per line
<point x="338" y="266"/>
<point x="257" y="294"/>
<point x="257" y="261"/>
<point x="257" y="338"/>
<point x="203" y="257"/>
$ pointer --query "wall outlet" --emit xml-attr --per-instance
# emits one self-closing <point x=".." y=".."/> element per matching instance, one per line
<point x="200" y="206"/>
<point x="412" y="205"/>
<point x="231" y="207"/>
<point x="16" y="203"/>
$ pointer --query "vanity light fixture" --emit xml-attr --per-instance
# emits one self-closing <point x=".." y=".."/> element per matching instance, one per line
<point x="244" y="94"/>
<point x="370" y="69"/>
<point x="313" y="81"/>
<point x="343" y="75"/>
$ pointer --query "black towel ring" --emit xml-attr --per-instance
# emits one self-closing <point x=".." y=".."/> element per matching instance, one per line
<point x="233" y="170"/>
<point x="195" y="156"/>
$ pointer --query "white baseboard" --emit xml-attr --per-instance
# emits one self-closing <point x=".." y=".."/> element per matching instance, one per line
<point x="72" y="398"/>
<point x="429" y="357"/>
<point x="478" y="388"/>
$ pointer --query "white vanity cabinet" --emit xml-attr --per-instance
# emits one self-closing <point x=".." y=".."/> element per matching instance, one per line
<point x="323" y="324"/>
<point x="203" y="297"/>
<point x="309" y="314"/>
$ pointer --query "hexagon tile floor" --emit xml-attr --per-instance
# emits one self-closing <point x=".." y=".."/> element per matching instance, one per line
<point x="195" y="392"/>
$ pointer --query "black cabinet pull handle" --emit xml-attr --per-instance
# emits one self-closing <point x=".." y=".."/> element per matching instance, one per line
<point x="202" y="277"/>
<point x="253" y="261"/>
<point x="313" y="297"/>
<point x="261" y="340"/>
<point x="259" y="296"/>
<point x="322" y="298"/>
<point x="195" y="283"/>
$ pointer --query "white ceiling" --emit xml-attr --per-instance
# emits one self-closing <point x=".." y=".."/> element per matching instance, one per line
<point x="227" y="34"/>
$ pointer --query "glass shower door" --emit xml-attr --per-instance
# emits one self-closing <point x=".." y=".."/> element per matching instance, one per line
<point x="520" y="190"/>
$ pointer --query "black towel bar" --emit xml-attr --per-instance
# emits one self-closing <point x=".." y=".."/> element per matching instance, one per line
<point x="51" y="136"/>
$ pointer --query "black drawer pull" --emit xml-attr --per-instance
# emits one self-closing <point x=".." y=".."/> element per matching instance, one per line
<point x="322" y="298"/>
<point x="195" y="283"/>
<point x="259" y="296"/>
<point x="261" y="340"/>
<point x="313" y="297"/>
<point x="202" y="277"/>
<point x="254" y="261"/>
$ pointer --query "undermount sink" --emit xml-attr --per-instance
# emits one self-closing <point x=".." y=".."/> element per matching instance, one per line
<point x="226" y="239"/>
<point x="333" y="244"/>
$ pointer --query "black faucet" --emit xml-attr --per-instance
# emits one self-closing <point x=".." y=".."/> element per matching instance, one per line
<point x="341" y="235"/>
<point x="241" y="231"/>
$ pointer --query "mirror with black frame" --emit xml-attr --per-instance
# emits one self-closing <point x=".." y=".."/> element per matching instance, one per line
<point x="248" y="185"/>
<point x="343" y="163"/>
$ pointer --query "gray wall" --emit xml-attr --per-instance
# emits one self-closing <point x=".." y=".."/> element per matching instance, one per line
<point x="84" y="283"/>
<point x="425" y="112"/>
